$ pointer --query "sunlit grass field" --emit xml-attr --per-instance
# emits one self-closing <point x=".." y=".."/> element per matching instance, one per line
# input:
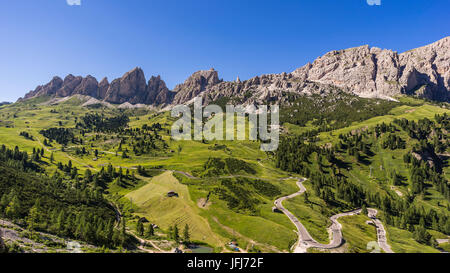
<point x="216" y="224"/>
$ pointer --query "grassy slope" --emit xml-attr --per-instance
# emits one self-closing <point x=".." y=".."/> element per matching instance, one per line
<point x="217" y="221"/>
<point x="402" y="241"/>
<point x="164" y="211"/>
<point x="192" y="157"/>
<point x="404" y="111"/>
<point x="376" y="176"/>
<point x="357" y="233"/>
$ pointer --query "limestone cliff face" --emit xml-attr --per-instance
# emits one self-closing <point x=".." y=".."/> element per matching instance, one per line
<point x="197" y="83"/>
<point x="103" y="87"/>
<point x="364" y="71"/>
<point x="157" y="92"/>
<point x="361" y="70"/>
<point x="374" y="72"/>
<point x="70" y="83"/>
<point x="88" y="87"/>
<point x="426" y="70"/>
<point x="49" y="89"/>
<point x="131" y="88"/>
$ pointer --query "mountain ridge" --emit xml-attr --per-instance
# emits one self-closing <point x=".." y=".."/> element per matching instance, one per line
<point x="364" y="71"/>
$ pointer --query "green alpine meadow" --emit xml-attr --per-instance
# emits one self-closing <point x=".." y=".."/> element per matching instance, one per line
<point x="348" y="152"/>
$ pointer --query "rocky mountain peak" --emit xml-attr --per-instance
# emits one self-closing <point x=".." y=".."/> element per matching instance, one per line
<point x="195" y="84"/>
<point x="157" y="91"/>
<point x="133" y="82"/>
<point x="102" y="88"/>
<point x="128" y="88"/>
<point x="87" y="87"/>
<point x="364" y="71"/>
<point x="49" y="89"/>
<point x="70" y="83"/>
<point x="375" y="72"/>
<point x="426" y="70"/>
<point x="131" y="87"/>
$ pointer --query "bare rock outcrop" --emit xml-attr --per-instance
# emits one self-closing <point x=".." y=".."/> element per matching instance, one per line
<point x="157" y="92"/>
<point x="103" y="87"/>
<point x="132" y="88"/>
<point x="363" y="71"/>
<point x="373" y="72"/>
<point x="70" y="83"/>
<point x="46" y="90"/>
<point x="427" y="70"/>
<point x="128" y="88"/>
<point x="87" y="87"/>
<point x="197" y="83"/>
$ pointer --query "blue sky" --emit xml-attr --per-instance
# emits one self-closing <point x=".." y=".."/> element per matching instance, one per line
<point x="43" y="38"/>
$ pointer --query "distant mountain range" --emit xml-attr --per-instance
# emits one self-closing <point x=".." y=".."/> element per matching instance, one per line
<point x="363" y="71"/>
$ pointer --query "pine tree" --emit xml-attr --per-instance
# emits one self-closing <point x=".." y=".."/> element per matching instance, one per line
<point x="4" y="201"/>
<point x="124" y="228"/>
<point x="33" y="216"/>
<point x="54" y="216"/>
<point x="79" y="231"/>
<point x="176" y="235"/>
<point x="60" y="222"/>
<point x="116" y="237"/>
<point x="171" y="232"/>
<point x="88" y="174"/>
<point x="109" y="231"/>
<point x="150" y="231"/>
<point x="306" y="198"/>
<point x="186" y="235"/>
<point x="99" y="234"/>
<point x="364" y="210"/>
<point x="110" y="170"/>
<point x="140" y="228"/>
<point x="13" y="209"/>
<point x="421" y="235"/>
<point x="123" y="233"/>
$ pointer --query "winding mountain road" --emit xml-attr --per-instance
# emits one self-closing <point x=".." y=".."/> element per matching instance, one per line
<point x="306" y="241"/>
<point x="381" y="232"/>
